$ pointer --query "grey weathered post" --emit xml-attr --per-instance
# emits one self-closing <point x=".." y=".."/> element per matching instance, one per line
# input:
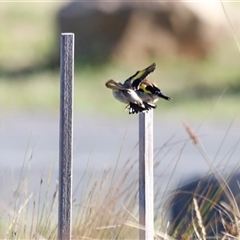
<point x="66" y="136"/>
<point x="146" y="196"/>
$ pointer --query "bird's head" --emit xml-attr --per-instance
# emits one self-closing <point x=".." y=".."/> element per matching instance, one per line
<point x="113" y="85"/>
<point x="144" y="87"/>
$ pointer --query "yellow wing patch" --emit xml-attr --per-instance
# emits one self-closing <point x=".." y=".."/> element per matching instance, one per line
<point x="139" y="75"/>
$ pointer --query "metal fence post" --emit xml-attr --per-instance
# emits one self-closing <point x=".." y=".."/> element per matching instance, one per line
<point x="146" y="196"/>
<point x="66" y="136"/>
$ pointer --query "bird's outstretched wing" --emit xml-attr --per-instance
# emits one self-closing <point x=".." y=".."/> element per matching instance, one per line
<point x="135" y="80"/>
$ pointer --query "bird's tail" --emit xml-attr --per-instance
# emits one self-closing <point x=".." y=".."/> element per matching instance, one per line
<point x="164" y="96"/>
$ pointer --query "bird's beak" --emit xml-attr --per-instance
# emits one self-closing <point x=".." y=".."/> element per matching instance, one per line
<point x="113" y="85"/>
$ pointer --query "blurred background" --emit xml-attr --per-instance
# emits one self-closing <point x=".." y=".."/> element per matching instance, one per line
<point x="197" y="56"/>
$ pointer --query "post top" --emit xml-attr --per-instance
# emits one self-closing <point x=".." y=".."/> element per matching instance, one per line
<point x="63" y="34"/>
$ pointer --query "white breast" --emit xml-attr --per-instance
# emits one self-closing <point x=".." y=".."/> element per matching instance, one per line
<point x="120" y="96"/>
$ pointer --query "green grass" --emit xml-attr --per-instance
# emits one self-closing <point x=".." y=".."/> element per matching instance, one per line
<point x="192" y="96"/>
<point x="28" y="34"/>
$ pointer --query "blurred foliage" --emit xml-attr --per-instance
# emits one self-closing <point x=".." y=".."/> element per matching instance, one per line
<point x="29" y="77"/>
<point x="28" y="34"/>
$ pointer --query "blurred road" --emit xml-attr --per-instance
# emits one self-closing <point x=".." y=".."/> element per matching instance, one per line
<point x="99" y="141"/>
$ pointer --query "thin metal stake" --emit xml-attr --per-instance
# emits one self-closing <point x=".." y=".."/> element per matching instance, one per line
<point x="146" y="188"/>
<point x="66" y="134"/>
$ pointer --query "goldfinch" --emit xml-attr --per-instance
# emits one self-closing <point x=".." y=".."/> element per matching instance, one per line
<point x="125" y="94"/>
<point x="138" y="85"/>
<point x="150" y="93"/>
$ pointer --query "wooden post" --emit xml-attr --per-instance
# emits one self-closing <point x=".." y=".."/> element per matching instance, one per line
<point x="66" y="140"/>
<point x="146" y="196"/>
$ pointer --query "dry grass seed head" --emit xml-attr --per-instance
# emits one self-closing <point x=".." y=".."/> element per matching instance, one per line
<point x="191" y="133"/>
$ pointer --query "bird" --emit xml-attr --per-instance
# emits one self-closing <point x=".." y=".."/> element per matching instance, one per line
<point x="125" y="94"/>
<point x="146" y="90"/>
<point x="149" y="92"/>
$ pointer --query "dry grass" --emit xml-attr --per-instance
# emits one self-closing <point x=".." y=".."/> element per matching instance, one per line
<point x="198" y="227"/>
<point x="105" y="203"/>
